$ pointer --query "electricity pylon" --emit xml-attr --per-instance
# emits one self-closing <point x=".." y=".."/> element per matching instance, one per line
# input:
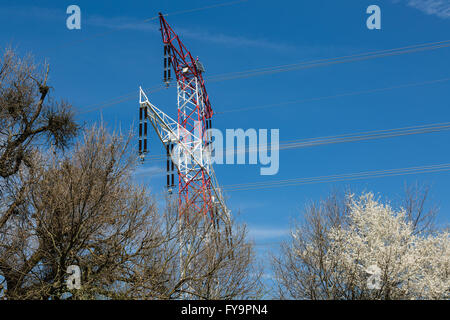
<point x="186" y="140"/>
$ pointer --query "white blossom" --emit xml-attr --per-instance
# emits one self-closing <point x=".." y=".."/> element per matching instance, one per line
<point x="412" y="266"/>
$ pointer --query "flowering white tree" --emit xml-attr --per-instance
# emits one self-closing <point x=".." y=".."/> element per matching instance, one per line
<point x="368" y="251"/>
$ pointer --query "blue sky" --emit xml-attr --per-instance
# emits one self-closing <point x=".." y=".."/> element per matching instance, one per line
<point x="115" y="52"/>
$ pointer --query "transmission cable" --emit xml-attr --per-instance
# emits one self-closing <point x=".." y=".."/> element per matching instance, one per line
<point x="337" y="178"/>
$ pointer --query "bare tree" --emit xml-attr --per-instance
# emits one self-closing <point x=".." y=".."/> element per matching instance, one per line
<point x="81" y="209"/>
<point x="29" y="119"/>
<point x="84" y="209"/>
<point x="207" y="260"/>
<point x="419" y="211"/>
<point x="307" y="276"/>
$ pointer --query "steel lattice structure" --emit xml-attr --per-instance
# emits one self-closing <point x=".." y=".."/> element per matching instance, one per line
<point x="186" y="140"/>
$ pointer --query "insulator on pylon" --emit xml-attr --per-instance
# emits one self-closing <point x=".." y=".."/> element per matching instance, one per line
<point x="171" y="160"/>
<point x="173" y="180"/>
<point x="199" y="66"/>
<point x="145" y="137"/>
<point x="168" y="160"/>
<point x="145" y="140"/>
<point x="140" y="130"/>
<point x="167" y="76"/>
<point x="165" y="63"/>
<point x="168" y="165"/>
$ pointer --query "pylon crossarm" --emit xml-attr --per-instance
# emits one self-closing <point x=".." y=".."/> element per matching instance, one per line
<point x="168" y="129"/>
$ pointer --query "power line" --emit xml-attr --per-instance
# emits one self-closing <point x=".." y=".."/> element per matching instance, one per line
<point x="321" y="62"/>
<point x="329" y="61"/>
<point x="368" y="135"/>
<point x="354" y="93"/>
<point x="337" y="178"/>
<point x="132" y="95"/>
<point x="343" y="138"/>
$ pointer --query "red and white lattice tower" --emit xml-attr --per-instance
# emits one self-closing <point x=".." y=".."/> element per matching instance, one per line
<point x="185" y="139"/>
